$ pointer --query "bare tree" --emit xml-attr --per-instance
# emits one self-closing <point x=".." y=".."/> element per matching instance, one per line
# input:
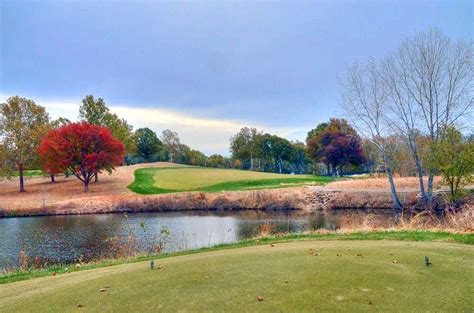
<point x="430" y="86"/>
<point x="171" y="140"/>
<point x="364" y="102"/>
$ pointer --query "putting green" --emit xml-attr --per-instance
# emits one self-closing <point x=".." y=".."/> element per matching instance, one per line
<point x="163" y="180"/>
<point x="388" y="276"/>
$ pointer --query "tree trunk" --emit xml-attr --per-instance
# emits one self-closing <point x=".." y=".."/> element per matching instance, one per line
<point x="334" y="170"/>
<point x="251" y="162"/>
<point x="396" y="200"/>
<point x="52" y="178"/>
<point x="86" y="186"/>
<point x="419" y="170"/>
<point x="22" y="182"/>
<point x="96" y="178"/>
<point x="429" y="194"/>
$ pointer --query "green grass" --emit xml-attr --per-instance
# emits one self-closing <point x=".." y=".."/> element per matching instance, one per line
<point x="438" y="236"/>
<point x="387" y="276"/>
<point x="167" y="180"/>
<point x="29" y="173"/>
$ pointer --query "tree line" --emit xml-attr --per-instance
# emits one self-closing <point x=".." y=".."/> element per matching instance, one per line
<point x="97" y="142"/>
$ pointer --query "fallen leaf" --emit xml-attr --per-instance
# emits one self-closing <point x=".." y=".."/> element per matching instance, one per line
<point x="259" y="298"/>
<point x="272" y="245"/>
<point x="316" y="254"/>
<point x="370" y="302"/>
<point x="54" y="273"/>
<point x="395" y="261"/>
<point x="338" y="254"/>
<point x="102" y="289"/>
<point x="107" y="286"/>
<point x="359" y="254"/>
<point x="348" y="249"/>
<point x="79" y="305"/>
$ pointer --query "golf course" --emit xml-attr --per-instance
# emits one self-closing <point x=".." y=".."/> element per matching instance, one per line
<point x="298" y="275"/>
<point x="180" y="179"/>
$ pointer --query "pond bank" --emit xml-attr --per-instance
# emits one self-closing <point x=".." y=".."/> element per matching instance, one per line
<point x="307" y="199"/>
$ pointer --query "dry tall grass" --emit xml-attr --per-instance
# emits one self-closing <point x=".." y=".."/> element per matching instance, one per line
<point x="402" y="183"/>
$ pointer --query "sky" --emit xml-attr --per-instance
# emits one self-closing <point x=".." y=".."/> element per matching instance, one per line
<point x="206" y="68"/>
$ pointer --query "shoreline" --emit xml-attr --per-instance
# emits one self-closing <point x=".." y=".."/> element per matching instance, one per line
<point x="305" y="199"/>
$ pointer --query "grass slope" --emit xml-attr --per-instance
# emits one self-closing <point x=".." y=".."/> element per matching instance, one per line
<point x="167" y="180"/>
<point x="405" y="235"/>
<point x="347" y="276"/>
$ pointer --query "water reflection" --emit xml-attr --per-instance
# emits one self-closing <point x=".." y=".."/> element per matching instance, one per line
<point x="65" y="239"/>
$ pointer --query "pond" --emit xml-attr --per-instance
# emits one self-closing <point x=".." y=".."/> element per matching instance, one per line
<point x="65" y="239"/>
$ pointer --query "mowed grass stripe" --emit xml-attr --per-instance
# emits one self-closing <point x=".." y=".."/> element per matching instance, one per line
<point x="167" y="180"/>
<point x="296" y="276"/>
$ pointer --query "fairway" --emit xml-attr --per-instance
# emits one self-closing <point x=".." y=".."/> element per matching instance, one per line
<point x="179" y="179"/>
<point x="388" y="276"/>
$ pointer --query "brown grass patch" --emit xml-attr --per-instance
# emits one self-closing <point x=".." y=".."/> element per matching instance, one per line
<point x="381" y="183"/>
<point x="41" y="193"/>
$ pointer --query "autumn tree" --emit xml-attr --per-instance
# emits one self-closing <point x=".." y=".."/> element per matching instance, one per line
<point x="96" y="112"/>
<point x="244" y="145"/>
<point x="454" y="158"/>
<point x="81" y="148"/>
<point x="216" y="160"/>
<point x="93" y="111"/>
<point x="173" y="144"/>
<point x="313" y="146"/>
<point x="22" y="125"/>
<point x="337" y="145"/>
<point x="191" y="157"/>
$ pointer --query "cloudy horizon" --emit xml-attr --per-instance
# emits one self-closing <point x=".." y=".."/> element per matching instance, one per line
<point x="205" y="69"/>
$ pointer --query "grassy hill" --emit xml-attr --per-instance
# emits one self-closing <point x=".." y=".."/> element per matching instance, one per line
<point x="179" y="179"/>
<point x="293" y="276"/>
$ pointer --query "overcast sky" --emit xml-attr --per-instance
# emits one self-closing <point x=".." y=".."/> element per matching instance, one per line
<point x="205" y="68"/>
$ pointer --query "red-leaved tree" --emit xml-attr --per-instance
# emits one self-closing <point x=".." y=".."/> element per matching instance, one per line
<point x="81" y="148"/>
<point x="336" y="144"/>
